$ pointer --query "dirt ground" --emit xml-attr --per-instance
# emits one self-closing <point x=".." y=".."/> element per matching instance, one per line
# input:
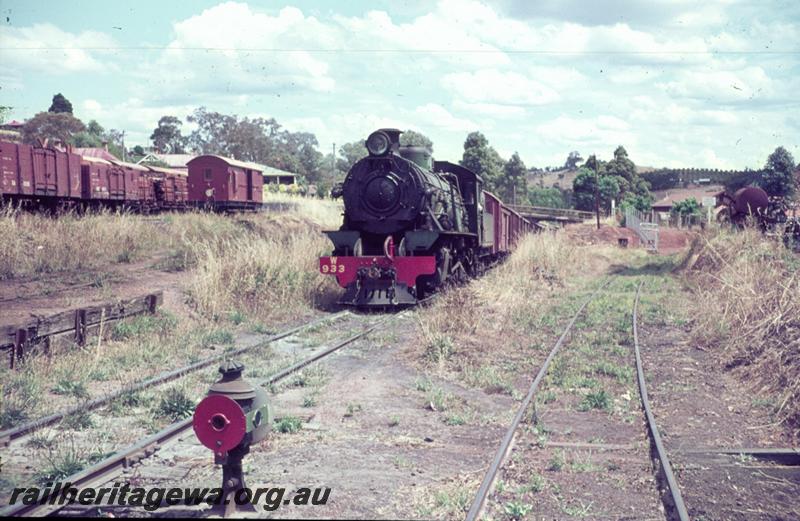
<point x="700" y="405"/>
<point x="23" y="299"/>
<point x="669" y="240"/>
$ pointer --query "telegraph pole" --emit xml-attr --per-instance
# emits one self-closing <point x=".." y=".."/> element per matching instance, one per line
<point x="333" y="163"/>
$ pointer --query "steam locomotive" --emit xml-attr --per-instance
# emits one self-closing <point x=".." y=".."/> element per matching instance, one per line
<point x="412" y="224"/>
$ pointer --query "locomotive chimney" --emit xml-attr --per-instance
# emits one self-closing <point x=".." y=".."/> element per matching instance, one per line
<point x="105" y="146"/>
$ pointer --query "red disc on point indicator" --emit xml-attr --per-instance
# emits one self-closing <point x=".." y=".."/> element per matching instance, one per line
<point x="219" y="423"/>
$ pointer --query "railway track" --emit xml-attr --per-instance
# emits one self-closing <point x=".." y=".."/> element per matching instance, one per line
<point x="671" y="498"/>
<point x="13" y="434"/>
<point x="114" y="465"/>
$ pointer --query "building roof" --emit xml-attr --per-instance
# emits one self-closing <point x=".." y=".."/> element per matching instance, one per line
<point x="102" y="153"/>
<point x="270" y="171"/>
<point x="173" y="160"/>
<point x="13" y="124"/>
<point x="236" y="162"/>
<point x="678" y="195"/>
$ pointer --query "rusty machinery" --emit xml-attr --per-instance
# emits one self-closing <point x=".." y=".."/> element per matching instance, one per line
<point x="770" y="214"/>
<point x="233" y="416"/>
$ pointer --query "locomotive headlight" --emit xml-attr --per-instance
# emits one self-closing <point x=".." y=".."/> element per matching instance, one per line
<point x="378" y="143"/>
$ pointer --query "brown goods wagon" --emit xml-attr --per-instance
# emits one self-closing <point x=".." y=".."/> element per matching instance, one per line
<point x="499" y="222"/>
<point x="517" y="228"/>
<point x="223" y="183"/>
<point x="100" y="180"/>
<point x="137" y="183"/>
<point x="36" y="173"/>
<point x="169" y="186"/>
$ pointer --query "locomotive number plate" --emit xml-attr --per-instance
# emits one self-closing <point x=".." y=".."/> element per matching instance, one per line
<point x="333" y="268"/>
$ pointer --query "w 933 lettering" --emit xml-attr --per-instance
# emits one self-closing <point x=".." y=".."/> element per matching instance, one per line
<point x="333" y="268"/>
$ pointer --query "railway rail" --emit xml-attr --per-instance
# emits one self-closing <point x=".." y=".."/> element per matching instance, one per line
<point x="673" y="500"/>
<point x="9" y="435"/>
<point x="111" y="467"/>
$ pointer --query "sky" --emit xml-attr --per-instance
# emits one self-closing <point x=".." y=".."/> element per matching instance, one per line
<point x="712" y="84"/>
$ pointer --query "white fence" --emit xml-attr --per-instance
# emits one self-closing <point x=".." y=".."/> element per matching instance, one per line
<point x="647" y="231"/>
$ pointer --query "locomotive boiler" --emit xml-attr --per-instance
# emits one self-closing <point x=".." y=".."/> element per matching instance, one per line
<point x="412" y="224"/>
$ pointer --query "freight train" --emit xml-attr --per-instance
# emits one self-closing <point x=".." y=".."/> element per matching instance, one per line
<point x="47" y="177"/>
<point x="412" y="224"/>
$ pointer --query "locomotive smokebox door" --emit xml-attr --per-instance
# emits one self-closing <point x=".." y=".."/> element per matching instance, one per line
<point x="234" y="415"/>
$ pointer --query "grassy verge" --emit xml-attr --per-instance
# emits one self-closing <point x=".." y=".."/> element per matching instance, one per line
<point x="748" y="309"/>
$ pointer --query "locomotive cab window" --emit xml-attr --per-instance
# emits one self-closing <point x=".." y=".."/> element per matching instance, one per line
<point x="207" y="174"/>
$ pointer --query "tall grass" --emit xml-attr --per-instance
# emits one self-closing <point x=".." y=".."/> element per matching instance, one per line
<point x="469" y="326"/>
<point x="267" y="278"/>
<point x="33" y="243"/>
<point x="748" y="310"/>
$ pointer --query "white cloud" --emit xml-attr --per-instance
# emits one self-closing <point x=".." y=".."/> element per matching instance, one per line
<point x="46" y="48"/>
<point x="232" y="49"/>
<point x="502" y="88"/>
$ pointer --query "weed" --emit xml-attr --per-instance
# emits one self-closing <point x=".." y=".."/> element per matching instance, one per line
<point x="218" y="337"/>
<point x="595" y="400"/>
<point x="309" y="400"/>
<point x="394" y="421"/>
<point x="547" y="397"/>
<point x="237" y="317"/>
<point x="61" y="464"/>
<point x="517" y="510"/>
<point x="535" y="484"/>
<point x="70" y="388"/>
<point x="40" y="441"/>
<point x="454" y="419"/>
<point x="423" y="384"/>
<point x="439" y="349"/>
<point x="78" y="422"/>
<point x="175" y="405"/>
<point x="352" y="408"/>
<point x="623" y="374"/>
<point x="557" y="462"/>
<point x="288" y="425"/>
<point x="577" y="508"/>
<point x="140" y="326"/>
<point x="438" y="399"/>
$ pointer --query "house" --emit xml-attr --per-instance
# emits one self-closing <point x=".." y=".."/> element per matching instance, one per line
<point x="704" y="195"/>
<point x="173" y="161"/>
<point x="278" y="176"/>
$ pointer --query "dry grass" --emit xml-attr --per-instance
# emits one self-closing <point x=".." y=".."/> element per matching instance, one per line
<point x="479" y="331"/>
<point x="271" y="277"/>
<point x="32" y="243"/>
<point x="327" y="213"/>
<point x="748" y="309"/>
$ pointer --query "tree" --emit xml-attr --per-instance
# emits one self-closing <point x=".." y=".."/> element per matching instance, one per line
<point x="167" y="135"/>
<point x="686" y="207"/>
<point x="513" y="184"/>
<point x="52" y="126"/>
<point x="350" y="154"/>
<point x="573" y="159"/>
<point x="777" y="178"/>
<point x="547" y="197"/>
<point x="483" y="160"/>
<point x="585" y="183"/>
<point x="416" y="139"/>
<point x="60" y="105"/>
<point x="138" y="150"/>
